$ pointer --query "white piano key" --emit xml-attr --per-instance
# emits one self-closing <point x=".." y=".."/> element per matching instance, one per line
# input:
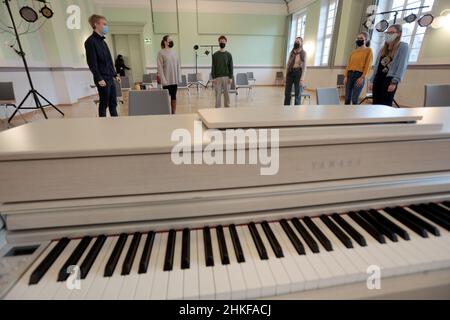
<point x="206" y="277"/>
<point x="175" y="286"/>
<point x="191" y="275"/>
<point x="278" y="271"/>
<point x="131" y="281"/>
<point x="319" y="263"/>
<point x="145" y="282"/>
<point x="378" y="250"/>
<point x="220" y="272"/>
<point x="62" y="292"/>
<point x="97" y="270"/>
<point x="161" y="279"/>
<point x="295" y="275"/>
<point x="237" y="281"/>
<point x="46" y="287"/>
<point x="52" y="286"/>
<point x="248" y="274"/>
<point x="268" y="284"/>
<point x="354" y="266"/>
<point x="304" y="267"/>
<point x="100" y="281"/>
<point x="22" y="285"/>
<point x="112" y="289"/>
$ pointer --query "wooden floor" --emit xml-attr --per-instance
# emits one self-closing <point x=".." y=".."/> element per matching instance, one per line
<point x="199" y="100"/>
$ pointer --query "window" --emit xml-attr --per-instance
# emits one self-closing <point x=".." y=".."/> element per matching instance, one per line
<point x="326" y="30"/>
<point x="301" y="24"/>
<point x="413" y="34"/>
<point x="297" y="30"/>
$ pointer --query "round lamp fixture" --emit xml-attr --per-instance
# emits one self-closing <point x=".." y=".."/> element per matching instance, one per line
<point x="382" y="26"/>
<point x="28" y="14"/>
<point x="426" y="20"/>
<point x="411" y="18"/>
<point x="196" y="47"/>
<point x="46" y="12"/>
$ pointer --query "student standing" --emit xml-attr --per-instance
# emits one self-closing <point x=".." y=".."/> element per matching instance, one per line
<point x="358" y="69"/>
<point x="169" y="70"/>
<point x="295" y="73"/>
<point x="101" y="65"/>
<point x="390" y="67"/>
<point x="222" y="73"/>
<point x="121" y="66"/>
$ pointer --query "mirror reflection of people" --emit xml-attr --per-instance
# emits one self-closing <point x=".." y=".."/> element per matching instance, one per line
<point x="390" y="67"/>
<point x="358" y="68"/>
<point x="295" y="73"/>
<point x="169" y="70"/>
<point x="222" y="73"/>
<point x="101" y="65"/>
<point x="121" y="66"/>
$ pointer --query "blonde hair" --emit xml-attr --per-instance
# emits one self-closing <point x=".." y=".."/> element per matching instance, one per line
<point x="391" y="49"/>
<point x="94" y="19"/>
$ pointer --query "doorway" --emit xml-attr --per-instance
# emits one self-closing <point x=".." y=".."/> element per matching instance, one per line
<point x="129" y="45"/>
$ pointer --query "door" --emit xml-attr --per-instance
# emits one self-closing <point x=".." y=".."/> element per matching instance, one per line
<point x="131" y="48"/>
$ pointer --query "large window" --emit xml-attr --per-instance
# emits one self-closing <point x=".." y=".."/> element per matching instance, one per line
<point x="301" y="24"/>
<point x="326" y="30"/>
<point x="413" y="34"/>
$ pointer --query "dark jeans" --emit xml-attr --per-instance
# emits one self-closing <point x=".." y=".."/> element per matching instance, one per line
<point x="108" y="98"/>
<point x="352" y="91"/>
<point x="380" y="91"/>
<point x="293" y="78"/>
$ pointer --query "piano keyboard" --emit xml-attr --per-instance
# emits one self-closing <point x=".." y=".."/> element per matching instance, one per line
<point x="246" y="261"/>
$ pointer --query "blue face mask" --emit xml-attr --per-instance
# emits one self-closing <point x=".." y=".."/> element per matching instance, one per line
<point x="105" y="30"/>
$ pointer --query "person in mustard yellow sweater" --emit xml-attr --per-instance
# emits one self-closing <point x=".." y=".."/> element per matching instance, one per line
<point x="358" y="69"/>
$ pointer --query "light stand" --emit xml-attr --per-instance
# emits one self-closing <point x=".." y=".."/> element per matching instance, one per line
<point x="33" y="92"/>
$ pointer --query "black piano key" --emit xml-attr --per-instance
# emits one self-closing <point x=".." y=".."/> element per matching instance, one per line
<point x="237" y="244"/>
<point x="131" y="254"/>
<point x="224" y="257"/>
<point x="349" y="229"/>
<point x="312" y="244"/>
<point x="379" y="226"/>
<point x="186" y="250"/>
<point x="367" y="226"/>
<point x="170" y="250"/>
<point x="74" y="257"/>
<point x="394" y="213"/>
<point x="346" y="241"/>
<point x="431" y="215"/>
<point x="48" y="261"/>
<point x="115" y="255"/>
<point x="414" y="218"/>
<point x="209" y="257"/>
<point x="277" y="250"/>
<point x="319" y="234"/>
<point x="91" y="256"/>
<point x="442" y="212"/>
<point x="388" y="223"/>
<point x="146" y="253"/>
<point x="258" y="242"/>
<point x="298" y="245"/>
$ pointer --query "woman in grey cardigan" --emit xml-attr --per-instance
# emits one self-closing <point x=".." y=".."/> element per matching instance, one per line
<point x="390" y="67"/>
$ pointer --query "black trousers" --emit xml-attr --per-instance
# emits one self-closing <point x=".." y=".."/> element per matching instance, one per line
<point x="108" y="99"/>
<point x="293" y="79"/>
<point x="380" y="91"/>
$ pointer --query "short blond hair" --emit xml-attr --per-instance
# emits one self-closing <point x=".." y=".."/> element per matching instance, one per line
<point x="94" y="19"/>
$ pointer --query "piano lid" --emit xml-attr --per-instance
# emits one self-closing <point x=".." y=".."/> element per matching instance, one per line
<point x="267" y="117"/>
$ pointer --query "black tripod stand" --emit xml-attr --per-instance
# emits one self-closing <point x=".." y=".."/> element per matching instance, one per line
<point x="33" y="92"/>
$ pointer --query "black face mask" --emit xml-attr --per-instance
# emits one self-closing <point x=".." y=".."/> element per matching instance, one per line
<point x="297" y="46"/>
<point x="222" y="45"/>
<point x="359" y="43"/>
<point x="171" y="44"/>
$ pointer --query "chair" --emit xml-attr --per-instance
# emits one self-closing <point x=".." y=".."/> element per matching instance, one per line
<point x="233" y="90"/>
<point x="340" y="83"/>
<point x="125" y="83"/>
<point x="183" y="85"/>
<point x="8" y="99"/>
<point x="437" y="95"/>
<point x="279" y="78"/>
<point x="251" y="77"/>
<point x="303" y="95"/>
<point x="369" y="96"/>
<point x="119" y="93"/>
<point x="147" y="79"/>
<point x="242" y="83"/>
<point x="328" y="96"/>
<point x="149" y="102"/>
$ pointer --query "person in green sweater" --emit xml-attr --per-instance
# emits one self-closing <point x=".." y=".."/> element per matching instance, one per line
<point x="222" y="73"/>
